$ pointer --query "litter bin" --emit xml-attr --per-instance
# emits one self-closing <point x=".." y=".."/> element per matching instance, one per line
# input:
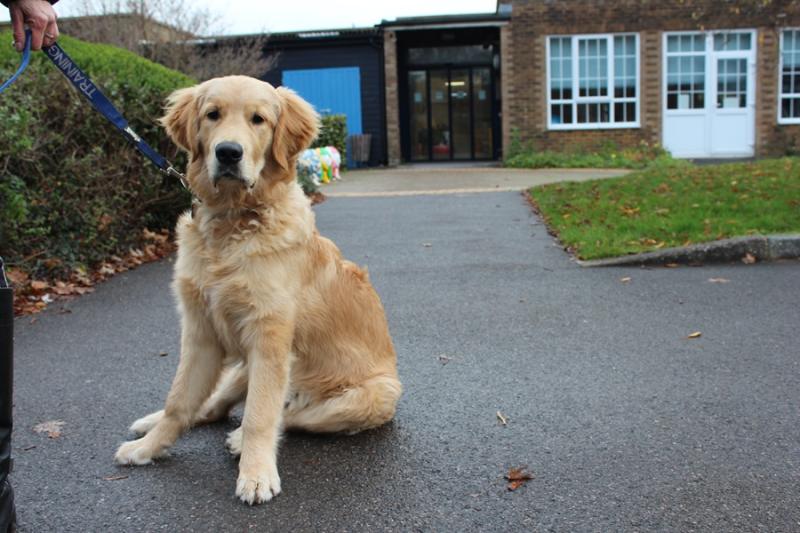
<point x="360" y="147"/>
<point x="7" y="516"/>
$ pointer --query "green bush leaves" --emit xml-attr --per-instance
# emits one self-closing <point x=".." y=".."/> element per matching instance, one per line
<point x="72" y="190"/>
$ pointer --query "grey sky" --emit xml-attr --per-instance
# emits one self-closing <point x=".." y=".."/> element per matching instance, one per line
<point x="251" y="16"/>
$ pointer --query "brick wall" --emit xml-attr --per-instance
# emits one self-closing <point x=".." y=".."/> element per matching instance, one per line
<point x="507" y="92"/>
<point x="525" y="115"/>
<point x="392" y="101"/>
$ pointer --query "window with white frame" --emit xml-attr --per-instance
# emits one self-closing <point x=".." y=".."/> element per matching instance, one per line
<point x="789" y="111"/>
<point x="593" y="81"/>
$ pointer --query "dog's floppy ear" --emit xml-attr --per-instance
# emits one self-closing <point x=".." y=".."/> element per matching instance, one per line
<point x="179" y="119"/>
<point x="298" y="125"/>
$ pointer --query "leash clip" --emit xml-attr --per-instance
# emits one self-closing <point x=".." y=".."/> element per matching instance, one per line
<point x="173" y="173"/>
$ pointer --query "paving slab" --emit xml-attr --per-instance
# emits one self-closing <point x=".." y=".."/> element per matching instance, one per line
<point x="446" y="178"/>
<point x="625" y="423"/>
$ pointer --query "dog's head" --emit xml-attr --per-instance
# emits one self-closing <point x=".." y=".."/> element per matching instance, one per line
<point x="240" y="132"/>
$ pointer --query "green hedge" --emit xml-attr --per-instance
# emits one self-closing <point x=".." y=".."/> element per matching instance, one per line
<point x="603" y="154"/>
<point x="333" y="133"/>
<point x="72" y="190"/>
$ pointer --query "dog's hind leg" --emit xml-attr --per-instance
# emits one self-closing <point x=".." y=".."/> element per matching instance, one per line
<point x="146" y="423"/>
<point x="230" y="390"/>
<point x="368" y="405"/>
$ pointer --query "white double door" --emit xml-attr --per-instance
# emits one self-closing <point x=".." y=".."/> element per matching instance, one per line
<point x="709" y="94"/>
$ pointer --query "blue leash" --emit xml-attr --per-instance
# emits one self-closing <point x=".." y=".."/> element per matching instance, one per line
<point x="26" y="58"/>
<point x="98" y="100"/>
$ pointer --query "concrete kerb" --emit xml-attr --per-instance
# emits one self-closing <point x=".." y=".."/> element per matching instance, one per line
<point x="762" y="248"/>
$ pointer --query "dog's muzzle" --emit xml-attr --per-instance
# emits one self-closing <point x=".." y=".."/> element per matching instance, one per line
<point x="229" y="155"/>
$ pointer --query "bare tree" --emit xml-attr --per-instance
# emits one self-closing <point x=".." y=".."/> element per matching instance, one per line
<point x="174" y="33"/>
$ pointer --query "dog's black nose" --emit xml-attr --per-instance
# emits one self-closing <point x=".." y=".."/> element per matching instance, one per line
<point x="229" y="153"/>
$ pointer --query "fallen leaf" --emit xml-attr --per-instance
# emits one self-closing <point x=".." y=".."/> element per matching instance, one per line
<point x="114" y="478"/>
<point x="626" y="279"/>
<point x="517" y="477"/>
<point x="162" y="354"/>
<point x="51" y="427"/>
<point x="503" y="420"/>
<point x="427" y="244"/>
<point x="38" y="285"/>
<point x="748" y="259"/>
<point x="719" y="280"/>
<point x="16" y="276"/>
<point x="695" y="335"/>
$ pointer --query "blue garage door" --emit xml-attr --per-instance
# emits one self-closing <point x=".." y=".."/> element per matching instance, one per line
<point x="332" y="91"/>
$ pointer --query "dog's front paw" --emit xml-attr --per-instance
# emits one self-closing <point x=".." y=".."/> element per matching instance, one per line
<point x="234" y="442"/>
<point x="258" y="488"/>
<point x="138" y="452"/>
<point x="146" y="423"/>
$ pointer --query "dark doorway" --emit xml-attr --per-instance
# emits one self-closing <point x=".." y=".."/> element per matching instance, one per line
<point x="449" y="106"/>
<point x="450" y="114"/>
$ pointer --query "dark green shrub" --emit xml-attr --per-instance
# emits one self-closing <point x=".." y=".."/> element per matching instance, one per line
<point x="333" y="133"/>
<point x="72" y="190"/>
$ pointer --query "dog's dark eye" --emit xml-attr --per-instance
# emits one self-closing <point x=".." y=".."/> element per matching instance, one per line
<point x="213" y="115"/>
<point x="258" y="119"/>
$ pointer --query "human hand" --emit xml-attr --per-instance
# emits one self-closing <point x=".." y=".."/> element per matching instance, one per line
<point x="40" y="16"/>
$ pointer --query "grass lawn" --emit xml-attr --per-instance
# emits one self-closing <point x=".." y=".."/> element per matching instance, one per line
<point x="672" y="204"/>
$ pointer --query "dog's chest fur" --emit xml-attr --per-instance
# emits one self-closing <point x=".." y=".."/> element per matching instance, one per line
<point x="242" y="267"/>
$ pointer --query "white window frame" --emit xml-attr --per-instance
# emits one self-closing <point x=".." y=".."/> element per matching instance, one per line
<point x="610" y="99"/>
<point x="781" y="95"/>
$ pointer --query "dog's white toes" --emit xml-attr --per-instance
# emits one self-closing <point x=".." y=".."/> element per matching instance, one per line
<point x="234" y="442"/>
<point x="146" y="423"/>
<point x="137" y="452"/>
<point x="259" y="490"/>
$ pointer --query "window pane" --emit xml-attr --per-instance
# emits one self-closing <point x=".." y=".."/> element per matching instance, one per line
<point x="561" y="113"/>
<point x="686" y="75"/>
<point x="418" y="104"/>
<point x="597" y="78"/>
<point x="699" y="43"/>
<point x="457" y="55"/>
<point x="672" y="43"/>
<point x="731" y="41"/>
<point x="594" y="113"/>
<point x="593" y="67"/>
<point x="560" y="68"/>
<point x="731" y="83"/>
<point x="790" y="75"/>
<point x="790" y="108"/>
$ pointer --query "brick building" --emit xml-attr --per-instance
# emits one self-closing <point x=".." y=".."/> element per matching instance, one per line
<point x="705" y="78"/>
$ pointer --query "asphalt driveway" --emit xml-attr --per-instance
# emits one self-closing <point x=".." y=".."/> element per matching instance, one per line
<point x="625" y="423"/>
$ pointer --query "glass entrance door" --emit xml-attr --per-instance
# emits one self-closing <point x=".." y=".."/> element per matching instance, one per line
<point x="450" y="114"/>
<point x="440" y="115"/>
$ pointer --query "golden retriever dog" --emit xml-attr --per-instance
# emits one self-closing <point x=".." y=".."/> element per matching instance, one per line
<point x="271" y="314"/>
